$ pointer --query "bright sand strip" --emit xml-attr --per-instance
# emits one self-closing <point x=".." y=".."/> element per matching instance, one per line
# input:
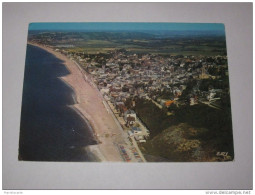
<point x="90" y="104"/>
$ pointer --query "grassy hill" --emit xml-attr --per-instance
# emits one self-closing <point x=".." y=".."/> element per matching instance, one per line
<point x="208" y="129"/>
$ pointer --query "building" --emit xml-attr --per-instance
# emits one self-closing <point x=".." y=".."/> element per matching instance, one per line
<point x="104" y="91"/>
<point x="138" y="134"/>
<point x="129" y="113"/>
<point x="130" y="121"/>
<point x="169" y="102"/>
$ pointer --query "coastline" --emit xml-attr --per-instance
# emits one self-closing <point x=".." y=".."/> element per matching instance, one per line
<point x="89" y="104"/>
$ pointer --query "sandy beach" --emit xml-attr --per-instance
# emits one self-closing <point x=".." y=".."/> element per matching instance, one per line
<point x="90" y="105"/>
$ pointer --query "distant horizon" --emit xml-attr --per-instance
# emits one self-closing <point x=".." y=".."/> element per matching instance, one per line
<point x="126" y="26"/>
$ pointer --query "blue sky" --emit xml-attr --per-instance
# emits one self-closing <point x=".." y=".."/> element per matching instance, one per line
<point x="108" y="26"/>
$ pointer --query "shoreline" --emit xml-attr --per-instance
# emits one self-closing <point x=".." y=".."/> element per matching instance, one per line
<point x="67" y="84"/>
<point x="89" y="106"/>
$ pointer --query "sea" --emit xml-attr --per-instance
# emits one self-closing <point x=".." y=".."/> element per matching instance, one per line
<point x="50" y="129"/>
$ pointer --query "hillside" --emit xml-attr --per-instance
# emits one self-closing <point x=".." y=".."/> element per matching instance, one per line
<point x="181" y="143"/>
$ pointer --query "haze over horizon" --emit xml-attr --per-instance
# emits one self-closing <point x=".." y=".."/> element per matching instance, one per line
<point x="128" y="26"/>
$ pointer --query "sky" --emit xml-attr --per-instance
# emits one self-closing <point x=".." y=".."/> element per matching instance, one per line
<point x="113" y="26"/>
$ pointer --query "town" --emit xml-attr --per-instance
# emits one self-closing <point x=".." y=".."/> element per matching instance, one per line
<point x="154" y="95"/>
<point x="161" y="80"/>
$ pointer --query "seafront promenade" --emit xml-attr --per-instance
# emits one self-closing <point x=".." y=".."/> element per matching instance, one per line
<point x="113" y="144"/>
<point x="130" y="152"/>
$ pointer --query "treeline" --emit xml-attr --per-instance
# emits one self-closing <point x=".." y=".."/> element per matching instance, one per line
<point x="153" y="117"/>
<point x="206" y="84"/>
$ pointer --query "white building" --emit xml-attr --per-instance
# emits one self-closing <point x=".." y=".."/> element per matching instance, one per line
<point x="129" y="113"/>
<point x="104" y="90"/>
<point x="138" y="134"/>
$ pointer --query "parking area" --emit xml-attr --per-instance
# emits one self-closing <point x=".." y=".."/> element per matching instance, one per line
<point x="124" y="153"/>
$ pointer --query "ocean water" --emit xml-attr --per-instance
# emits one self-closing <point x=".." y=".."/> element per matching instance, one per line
<point x="50" y="130"/>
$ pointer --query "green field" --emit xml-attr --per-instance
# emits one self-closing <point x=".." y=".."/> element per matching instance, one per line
<point x="134" y="42"/>
<point x="92" y="46"/>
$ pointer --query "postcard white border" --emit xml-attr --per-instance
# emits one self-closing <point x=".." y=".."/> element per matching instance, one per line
<point x="237" y="18"/>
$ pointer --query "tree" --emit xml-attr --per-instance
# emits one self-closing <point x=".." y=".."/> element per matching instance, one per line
<point x="213" y="71"/>
<point x="172" y="107"/>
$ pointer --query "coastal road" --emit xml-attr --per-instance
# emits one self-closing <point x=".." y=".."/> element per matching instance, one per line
<point x="120" y="138"/>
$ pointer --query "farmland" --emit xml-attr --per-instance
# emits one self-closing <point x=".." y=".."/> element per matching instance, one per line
<point x="135" y="42"/>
